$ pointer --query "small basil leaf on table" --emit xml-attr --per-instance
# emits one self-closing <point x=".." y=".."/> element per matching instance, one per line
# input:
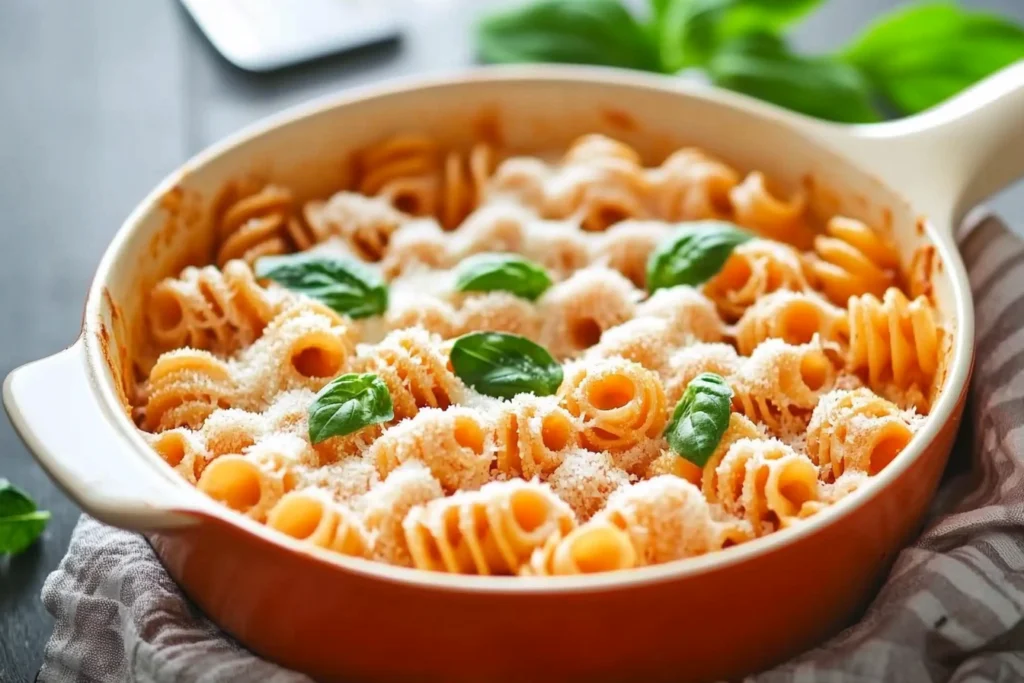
<point x="504" y="365"/>
<point x="693" y="253"/>
<point x="599" y="32"/>
<point x="20" y="522"/>
<point x="502" y="272"/>
<point x="349" y="403"/>
<point x="343" y="284"/>
<point x="700" y="418"/>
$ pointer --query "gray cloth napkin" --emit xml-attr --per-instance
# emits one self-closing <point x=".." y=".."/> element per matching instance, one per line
<point x="952" y="609"/>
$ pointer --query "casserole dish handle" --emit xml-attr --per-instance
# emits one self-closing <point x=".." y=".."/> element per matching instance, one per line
<point x="951" y="157"/>
<point x="53" y="407"/>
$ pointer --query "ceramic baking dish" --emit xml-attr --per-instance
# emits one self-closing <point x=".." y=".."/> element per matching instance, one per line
<point x="714" y="616"/>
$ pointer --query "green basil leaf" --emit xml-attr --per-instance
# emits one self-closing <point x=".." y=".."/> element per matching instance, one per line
<point x="599" y="32"/>
<point x="504" y="365"/>
<point x="692" y="31"/>
<point x="761" y="65"/>
<point x="921" y="55"/>
<point x="693" y="254"/>
<point x="20" y="522"/>
<point x="349" y="403"/>
<point x="700" y="418"/>
<point x="505" y="272"/>
<point x="345" y="285"/>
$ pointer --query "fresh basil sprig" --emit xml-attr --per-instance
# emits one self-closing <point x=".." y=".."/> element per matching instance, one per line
<point x="700" y="418"/>
<point x="909" y="59"/>
<point x="349" y="403"/>
<point x="693" y="253"/>
<point x="504" y="365"/>
<point x="343" y="284"/>
<point x="20" y="522"/>
<point x="505" y="272"/>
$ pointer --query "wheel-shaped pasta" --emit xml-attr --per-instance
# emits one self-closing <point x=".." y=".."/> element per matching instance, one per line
<point x="794" y="317"/>
<point x="645" y="340"/>
<point x="622" y="408"/>
<point x="418" y="244"/>
<point x="261" y="223"/>
<point x="852" y="259"/>
<point x="457" y="446"/>
<point x="419" y="309"/>
<point x="496" y="228"/>
<point x="411" y="364"/>
<point x="211" y="309"/>
<point x="599" y="546"/>
<point x="585" y="480"/>
<point x="626" y="246"/>
<point x="182" y="449"/>
<point x="364" y="224"/>
<point x="755" y="268"/>
<point x="497" y="312"/>
<point x="691" y="185"/>
<point x="386" y="505"/>
<point x="577" y="311"/>
<point x="491" y="531"/>
<point x="310" y="515"/>
<point x="691" y="315"/>
<point x="766" y="483"/>
<point x="184" y="387"/>
<point x="781" y="383"/>
<point x="755" y="207"/>
<point x="534" y="434"/>
<point x="894" y="340"/>
<point x="686" y="363"/>
<point x="856" y="431"/>
<point x="558" y="246"/>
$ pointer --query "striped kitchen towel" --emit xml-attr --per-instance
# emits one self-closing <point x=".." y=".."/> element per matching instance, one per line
<point x="952" y="608"/>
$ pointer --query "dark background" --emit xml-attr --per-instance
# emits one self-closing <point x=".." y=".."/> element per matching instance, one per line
<point x="99" y="100"/>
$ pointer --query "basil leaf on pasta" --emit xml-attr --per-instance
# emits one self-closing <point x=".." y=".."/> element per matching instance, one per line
<point x="20" y="522"/>
<point x="349" y="403"/>
<point x="502" y="272"/>
<point x="342" y="284"/>
<point x="693" y="254"/>
<point x="700" y="418"/>
<point x="921" y="55"/>
<point x="504" y="365"/>
<point x="601" y="32"/>
<point x="761" y="65"/>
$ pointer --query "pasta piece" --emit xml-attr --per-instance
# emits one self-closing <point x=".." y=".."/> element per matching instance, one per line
<point x="596" y="547"/>
<point x="491" y="228"/>
<point x="626" y="246"/>
<point x="691" y="315"/>
<point x="685" y="364"/>
<point x="210" y="309"/>
<point x="457" y="446"/>
<point x="415" y="309"/>
<point x="644" y="340"/>
<point x="415" y="371"/>
<point x="577" y="311"/>
<point x="781" y="383"/>
<point x="585" y="480"/>
<point x="520" y="180"/>
<point x="766" y="483"/>
<point x="622" y="407"/>
<point x="366" y="224"/>
<point x="691" y="185"/>
<point x="417" y="244"/>
<point x="534" y="434"/>
<point x="309" y="515"/>
<point x="558" y="246"/>
<point x="345" y="480"/>
<point x="894" y="339"/>
<point x="598" y="149"/>
<point x="498" y="312"/>
<point x="386" y="506"/>
<point x="793" y="317"/>
<point x="755" y="207"/>
<point x="855" y="431"/>
<point x="233" y="430"/>
<point x="490" y="531"/>
<point x="259" y="224"/>
<point x="667" y="518"/>
<point x="183" y="450"/>
<point x="669" y="462"/>
<point x="852" y="260"/>
<point x="184" y="387"/>
<point x="754" y="269"/>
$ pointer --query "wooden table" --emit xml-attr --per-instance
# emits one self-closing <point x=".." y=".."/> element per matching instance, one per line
<point x="99" y="99"/>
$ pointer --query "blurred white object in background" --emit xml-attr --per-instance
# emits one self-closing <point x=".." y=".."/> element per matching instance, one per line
<point x="262" y="35"/>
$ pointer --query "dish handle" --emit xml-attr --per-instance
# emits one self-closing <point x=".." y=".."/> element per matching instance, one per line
<point x="54" y="409"/>
<point x="949" y="158"/>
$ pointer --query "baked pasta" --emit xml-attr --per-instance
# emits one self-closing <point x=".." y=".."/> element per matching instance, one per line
<point x="471" y="361"/>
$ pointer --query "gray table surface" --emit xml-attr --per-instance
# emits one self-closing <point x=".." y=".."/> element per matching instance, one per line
<point x="99" y="99"/>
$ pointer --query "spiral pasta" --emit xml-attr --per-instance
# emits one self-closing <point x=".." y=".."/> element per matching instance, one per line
<point x="894" y="339"/>
<point x="754" y="269"/>
<point x="386" y="505"/>
<point x="626" y="246"/>
<point x="491" y="531"/>
<point x="596" y="547"/>
<point x="794" y="317"/>
<point x="183" y="450"/>
<point x="365" y="224"/>
<point x="259" y="224"/>
<point x="533" y="437"/>
<point x="852" y="259"/>
<point x="755" y="207"/>
<point x="855" y="431"/>
<point x="578" y="310"/>
<point x="309" y="515"/>
<point x="585" y="480"/>
<point x="686" y="363"/>
<point x="184" y="387"/>
<point x="691" y="185"/>
<point x="206" y="308"/>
